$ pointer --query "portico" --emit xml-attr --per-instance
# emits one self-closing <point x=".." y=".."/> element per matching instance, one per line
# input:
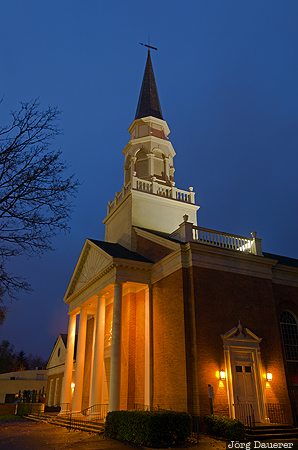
<point x="111" y="313"/>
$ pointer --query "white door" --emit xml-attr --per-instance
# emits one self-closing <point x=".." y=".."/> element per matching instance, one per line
<point x="245" y="395"/>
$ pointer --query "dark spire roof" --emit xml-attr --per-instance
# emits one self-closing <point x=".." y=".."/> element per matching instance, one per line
<point x="148" y="104"/>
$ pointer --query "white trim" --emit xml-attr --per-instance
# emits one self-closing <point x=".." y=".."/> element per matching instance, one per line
<point x="240" y="340"/>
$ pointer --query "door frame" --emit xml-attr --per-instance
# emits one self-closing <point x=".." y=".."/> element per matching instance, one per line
<point x="240" y="340"/>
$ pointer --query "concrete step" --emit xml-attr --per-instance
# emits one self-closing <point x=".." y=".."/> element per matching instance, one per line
<point x="63" y="421"/>
<point x="282" y="432"/>
<point x="256" y="431"/>
<point x="90" y="426"/>
<point x="31" y="417"/>
<point x="276" y="437"/>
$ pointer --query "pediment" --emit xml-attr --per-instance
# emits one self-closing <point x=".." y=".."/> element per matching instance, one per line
<point x="57" y="357"/>
<point x="91" y="263"/>
<point x="240" y="334"/>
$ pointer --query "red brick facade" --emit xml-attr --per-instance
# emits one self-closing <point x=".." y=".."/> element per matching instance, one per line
<point x="193" y="306"/>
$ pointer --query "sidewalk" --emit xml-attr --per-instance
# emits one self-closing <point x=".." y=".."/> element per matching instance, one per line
<point x="27" y="435"/>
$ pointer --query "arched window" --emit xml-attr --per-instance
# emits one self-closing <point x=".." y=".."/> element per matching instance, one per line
<point x="289" y="333"/>
<point x="159" y="165"/>
<point x="142" y="165"/>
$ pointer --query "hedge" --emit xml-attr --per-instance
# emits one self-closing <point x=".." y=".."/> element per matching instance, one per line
<point x="151" y="429"/>
<point x="225" y="427"/>
<point x="23" y="409"/>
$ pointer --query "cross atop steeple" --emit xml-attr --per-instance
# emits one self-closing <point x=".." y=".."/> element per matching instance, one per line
<point x="148" y="104"/>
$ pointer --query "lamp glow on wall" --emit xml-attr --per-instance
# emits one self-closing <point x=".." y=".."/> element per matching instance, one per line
<point x="72" y="386"/>
<point x="269" y="376"/>
<point x="222" y="374"/>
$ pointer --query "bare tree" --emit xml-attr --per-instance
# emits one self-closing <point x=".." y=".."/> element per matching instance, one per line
<point x="35" y="190"/>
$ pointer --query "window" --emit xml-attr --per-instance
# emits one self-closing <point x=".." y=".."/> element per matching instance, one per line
<point x="59" y="351"/>
<point x="289" y="334"/>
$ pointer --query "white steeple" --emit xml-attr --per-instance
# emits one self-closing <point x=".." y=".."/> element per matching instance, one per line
<point x="149" y="198"/>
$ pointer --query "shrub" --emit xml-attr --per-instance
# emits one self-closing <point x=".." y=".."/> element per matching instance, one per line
<point x="151" y="429"/>
<point x="225" y="427"/>
<point x="24" y="409"/>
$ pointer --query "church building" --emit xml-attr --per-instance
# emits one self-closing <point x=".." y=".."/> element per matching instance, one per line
<point x="172" y="315"/>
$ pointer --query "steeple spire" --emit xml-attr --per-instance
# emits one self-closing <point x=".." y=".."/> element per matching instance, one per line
<point x="148" y="104"/>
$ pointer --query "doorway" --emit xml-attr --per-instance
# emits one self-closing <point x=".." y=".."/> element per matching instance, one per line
<point x="245" y="385"/>
<point x="245" y="395"/>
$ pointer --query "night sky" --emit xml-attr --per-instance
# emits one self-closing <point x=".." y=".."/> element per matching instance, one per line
<point x="227" y="75"/>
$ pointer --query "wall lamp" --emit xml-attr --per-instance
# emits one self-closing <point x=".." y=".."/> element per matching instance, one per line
<point x="269" y="376"/>
<point x="222" y="375"/>
<point x="72" y="386"/>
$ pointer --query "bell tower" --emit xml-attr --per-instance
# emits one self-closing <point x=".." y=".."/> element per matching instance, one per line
<point x="149" y="198"/>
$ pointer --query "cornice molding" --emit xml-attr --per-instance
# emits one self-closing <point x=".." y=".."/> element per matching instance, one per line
<point x="230" y="261"/>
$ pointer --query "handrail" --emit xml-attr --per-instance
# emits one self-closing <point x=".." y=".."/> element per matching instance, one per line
<point x="64" y="408"/>
<point x="93" y="414"/>
<point x="98" y="409"/>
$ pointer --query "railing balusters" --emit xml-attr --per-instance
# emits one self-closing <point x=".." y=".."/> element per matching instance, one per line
<point x="276" y="413"/>
<point x="245" y="413"/>
<point x="222" y="239"/>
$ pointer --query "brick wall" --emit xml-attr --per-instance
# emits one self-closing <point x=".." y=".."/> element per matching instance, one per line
<point x="88" y="363"/>
<point x="140" y="348"/>
<point x="132" y="350"/>
<point x="286" y="298"/>
<point x="222" y="299"/>
<point x="7" y="409"/>
<point x="169" y="370"/>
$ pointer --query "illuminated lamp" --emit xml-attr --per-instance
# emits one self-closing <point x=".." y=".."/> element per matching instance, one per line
<point x="269" y="376"/>
<point x="72" y="386"/>
<point x="222" y="375"/>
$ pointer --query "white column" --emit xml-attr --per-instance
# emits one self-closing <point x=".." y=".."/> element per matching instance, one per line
<point x="55" y="393"/>
<point x="56" y="397"/>
<point x="80" y="361"/>
<point x="50" y="394"/>
<point x="66" y="386"/>
<point x="133" y="167"/>
<point x="92" y="360"/>
<point x="147" y="349"/>
<point x="150" y="164"/>
<point x="115" y="376"/>
<point x="98" y="359"/>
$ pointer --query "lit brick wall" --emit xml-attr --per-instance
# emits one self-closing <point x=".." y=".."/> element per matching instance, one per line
<point x="132" y="350"/>
<point x="88" y="363"/>
<point x="169" y="366"/>
<point x="222" y="299"/>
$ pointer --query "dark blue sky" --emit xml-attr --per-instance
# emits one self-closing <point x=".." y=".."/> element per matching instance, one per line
<point x="227" y="74"/>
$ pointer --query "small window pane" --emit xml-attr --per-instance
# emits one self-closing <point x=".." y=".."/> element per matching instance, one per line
<point x="238" y="368"/>
<point x="247" y="369"/>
